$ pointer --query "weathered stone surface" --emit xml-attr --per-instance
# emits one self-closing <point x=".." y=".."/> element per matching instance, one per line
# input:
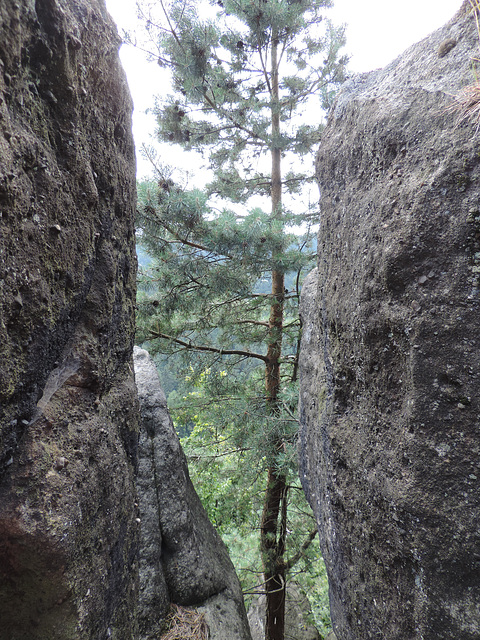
<point x="68" y="417"/>
<point x="390" y="447"/>
<point x="182" y="558"/>
<point x="297" y="608"/>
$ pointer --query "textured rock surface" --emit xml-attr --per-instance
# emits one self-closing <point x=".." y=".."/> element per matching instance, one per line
<point x="68" y="530"/>
<point x="296" y="611"/>
<point x="182" y="558"/>
<point x="390" y="359"/>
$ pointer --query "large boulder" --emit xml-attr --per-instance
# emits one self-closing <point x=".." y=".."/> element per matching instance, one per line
<point x="183" y="560"/>
<point x="68" y="416"/>
<point x="390" y="363"/>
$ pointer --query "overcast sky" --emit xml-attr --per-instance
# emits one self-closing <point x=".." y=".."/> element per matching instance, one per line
<point x="377" y="32"/>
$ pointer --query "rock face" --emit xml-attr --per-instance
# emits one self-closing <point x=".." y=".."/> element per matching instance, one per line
<point x="182" y="558"/>
<point x="390" y="446"/>
<point x="68" y="417"/>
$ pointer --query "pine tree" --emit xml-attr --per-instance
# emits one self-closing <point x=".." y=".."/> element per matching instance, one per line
<point x="241" y="81"/>
<point x="229" y="475"/>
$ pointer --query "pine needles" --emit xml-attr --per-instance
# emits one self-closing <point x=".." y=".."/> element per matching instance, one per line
<point x="467" y="100"/>
<point x="185" y="624"/>
<point x="467" y="105"/>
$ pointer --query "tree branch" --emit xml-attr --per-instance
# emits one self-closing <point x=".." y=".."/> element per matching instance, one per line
<point x="172" y="29"/>
<point x="196" y="347"/>
<point x="256" y="322"/>
<point x="294" y="559"/>
<point x="189" y="243"/>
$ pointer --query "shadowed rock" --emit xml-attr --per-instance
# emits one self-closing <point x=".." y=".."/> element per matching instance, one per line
<point x="390" y="362"/>
<point x="68" y="417"/>
<point x="182" y="558"/>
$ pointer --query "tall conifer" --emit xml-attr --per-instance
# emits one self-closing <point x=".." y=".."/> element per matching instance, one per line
<point x="241" y="82"/>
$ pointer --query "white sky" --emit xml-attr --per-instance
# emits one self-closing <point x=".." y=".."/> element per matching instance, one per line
<point x="377" y="32"/>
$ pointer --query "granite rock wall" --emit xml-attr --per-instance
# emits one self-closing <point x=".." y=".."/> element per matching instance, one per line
<point x="389" y="442"/>
<point x="68" y="409"/>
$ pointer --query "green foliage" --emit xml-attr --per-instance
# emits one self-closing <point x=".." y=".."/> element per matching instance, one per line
<point x="205" y="282"/>
<point x="241" y="80"/>
<point x="235" y="69"/>
<point x="223" y="80"/>
<point x="229" y="476"/>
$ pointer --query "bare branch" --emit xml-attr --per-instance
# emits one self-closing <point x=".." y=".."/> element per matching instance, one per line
<point x="256" y="322"/>
<point x="172" y="29"/>
<point x="196" y="347"/>
<point x="189" y="243"/>
<point x="300" y="553"/>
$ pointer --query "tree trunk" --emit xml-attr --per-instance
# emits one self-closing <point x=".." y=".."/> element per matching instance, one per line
<point x="273" y="548"/>
<point x="273" y="525"/>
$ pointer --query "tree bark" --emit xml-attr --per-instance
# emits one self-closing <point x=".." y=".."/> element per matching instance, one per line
<point x="273" y="548"/>
<point x="273" y="524"/>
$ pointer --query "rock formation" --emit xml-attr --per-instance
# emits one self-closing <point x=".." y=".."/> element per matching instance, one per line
<point x="182" y="558"/>
<point x="68" y="417"/>
<point x="69" y="420"/>
<point x="390" y="403"/>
